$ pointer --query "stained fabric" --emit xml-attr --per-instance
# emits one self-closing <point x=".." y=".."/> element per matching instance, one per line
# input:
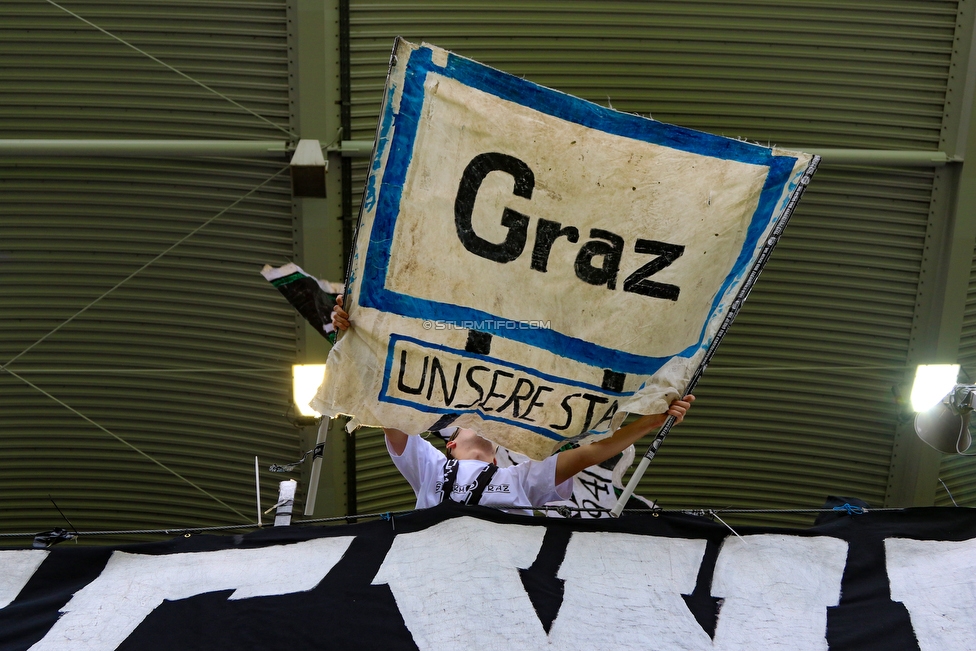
<point x="535" y="266"/>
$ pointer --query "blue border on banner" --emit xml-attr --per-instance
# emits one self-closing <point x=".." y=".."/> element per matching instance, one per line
<point x="388" y="372"/>
<point x="373" y="292"/>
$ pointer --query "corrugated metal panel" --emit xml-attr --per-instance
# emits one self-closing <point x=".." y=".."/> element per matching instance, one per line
<point x="840" y="290"/>
<point x="831" y="73"/>
<point x="379" y="486"/>
<point x="959" y="473"/>
<point x="63" y="78"/>
<point x="189" y="360"/>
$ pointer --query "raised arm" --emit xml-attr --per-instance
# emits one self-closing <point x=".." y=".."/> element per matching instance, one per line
<point x="397" y="440"/>
<point x="571" y="462"/>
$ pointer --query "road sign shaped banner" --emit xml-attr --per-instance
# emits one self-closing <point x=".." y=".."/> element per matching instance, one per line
<point x="534" y="265"/>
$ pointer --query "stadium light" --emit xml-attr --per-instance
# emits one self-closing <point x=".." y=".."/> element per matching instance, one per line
<point x="932" y="383"/>
<point x="306" y="380"/>
<point x="944" y="408"/>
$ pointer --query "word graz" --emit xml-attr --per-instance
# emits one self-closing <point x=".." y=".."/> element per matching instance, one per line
<point x="605" y="244"/>
<point x="462" y="383"/>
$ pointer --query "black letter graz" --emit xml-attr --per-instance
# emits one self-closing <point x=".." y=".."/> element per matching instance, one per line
<point x="517" y="223"/>
<point x="606" y="246"/>
<point x="637" y="282"/>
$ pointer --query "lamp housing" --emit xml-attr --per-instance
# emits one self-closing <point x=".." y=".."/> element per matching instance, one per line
<point x="945" y="426"/>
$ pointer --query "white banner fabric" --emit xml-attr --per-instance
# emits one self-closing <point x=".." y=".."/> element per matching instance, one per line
<point x="535" y="266"/>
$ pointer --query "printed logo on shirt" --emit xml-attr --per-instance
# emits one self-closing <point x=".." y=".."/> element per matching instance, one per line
<point x="465" y="488"/>
<point x="460" y="489"/>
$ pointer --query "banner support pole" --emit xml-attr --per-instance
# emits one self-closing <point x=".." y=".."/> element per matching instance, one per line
<point x="257" y="489"/>
<point x="315" y="475"/>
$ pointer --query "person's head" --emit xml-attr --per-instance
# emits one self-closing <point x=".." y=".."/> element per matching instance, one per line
<point x="466" y="444"/>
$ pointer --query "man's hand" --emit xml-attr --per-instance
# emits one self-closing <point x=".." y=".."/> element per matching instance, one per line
<point x="679" y="408"/>
<point x="340" y="318"/>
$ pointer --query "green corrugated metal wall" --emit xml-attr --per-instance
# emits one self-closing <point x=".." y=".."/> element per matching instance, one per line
<point x="830" y="321"/>
<point x="189" y="361"/>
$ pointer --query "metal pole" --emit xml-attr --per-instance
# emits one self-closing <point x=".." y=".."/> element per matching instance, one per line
<point x="877" y="157"/>
<point x="148" y="148"/>
<point x="881" y="157"/>
<point x="172" y="148"/>
<point x="257" y="488"/>
<point x="313" y="480"/>
<point x="354" y="148"/>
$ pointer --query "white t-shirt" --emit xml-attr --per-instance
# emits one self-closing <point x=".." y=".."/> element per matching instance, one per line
<point x="528" y="484"/>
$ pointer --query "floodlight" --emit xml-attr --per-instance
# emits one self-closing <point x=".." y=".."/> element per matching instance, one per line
<point x="945" y="426"/>
<point x="932" y="383"/>
<point x="306" y="380"/>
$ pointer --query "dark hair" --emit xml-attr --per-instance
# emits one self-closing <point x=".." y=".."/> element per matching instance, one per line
<point x="447" y="451"/>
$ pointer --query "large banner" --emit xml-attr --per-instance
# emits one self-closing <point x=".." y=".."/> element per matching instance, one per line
<point x="462" y="578"/>
<point x="534" y="265"/>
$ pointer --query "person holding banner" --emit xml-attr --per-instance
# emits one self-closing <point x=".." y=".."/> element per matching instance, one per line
<point x="468" y="472"/>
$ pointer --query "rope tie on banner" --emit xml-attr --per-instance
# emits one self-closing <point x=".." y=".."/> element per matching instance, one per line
<point x="727" y="525"/>
<point x="850" y="509"/>
<point x="388" y="517"/>
<point x="706" y="513"/>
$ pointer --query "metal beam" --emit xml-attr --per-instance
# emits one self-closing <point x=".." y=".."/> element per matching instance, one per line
<point x="315" y="92"/>
<point x="175" y="148"/>
<point x="353" y="148"/>
<point x="149" y="148"/>
<point x="882" y="157"/>
<point x="879" y="157"/>
<point x="946" y="264"/>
